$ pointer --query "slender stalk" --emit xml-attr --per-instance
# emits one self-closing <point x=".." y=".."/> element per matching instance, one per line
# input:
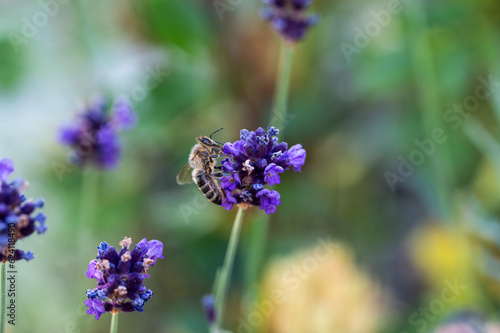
<point x="87" y="210"/>
<point x="489" y="46"/>
<point x="224" y="279"/>
<point x="114" y="323"/>
<point x="255" y="249"/>
<point x="3" y="294"/>
<point x="280" y="105"/>
<point x="89" y="43"/>
<point x="485" y="142"/>
<point x="85" y="224"/>
<point x="88" y="198"/>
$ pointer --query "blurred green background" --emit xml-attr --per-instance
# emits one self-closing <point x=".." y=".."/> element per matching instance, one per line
<point x="370" y="79"/>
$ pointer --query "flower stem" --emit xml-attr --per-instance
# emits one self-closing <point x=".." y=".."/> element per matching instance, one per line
<point x="279" y="112"/>
<point x="255" y="249"/>
<point x="84" y="15"/>
<point x="88" y="197"/>
<point x="87" y="209"/>
<point x="114" y="323"/>
<point x="222" y="283"/>
<point x="3" y="294"/>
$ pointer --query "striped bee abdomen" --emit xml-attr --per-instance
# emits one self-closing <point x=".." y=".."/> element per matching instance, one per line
<point x="208" y="186"/>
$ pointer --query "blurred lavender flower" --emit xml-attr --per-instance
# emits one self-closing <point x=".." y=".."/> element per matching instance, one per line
<point x="16" y="220"/>
<point x="257" y="159"/>
<point x="208" y="303"/>
<point x="120" y="276"/>
<point x="288" y="17"/>
<point x="94" y="137"/>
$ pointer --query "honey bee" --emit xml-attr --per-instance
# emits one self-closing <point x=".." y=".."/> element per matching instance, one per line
<point x="200" y="168"/>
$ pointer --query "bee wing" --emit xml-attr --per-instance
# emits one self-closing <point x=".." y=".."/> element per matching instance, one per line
<point x="184" y="176"/>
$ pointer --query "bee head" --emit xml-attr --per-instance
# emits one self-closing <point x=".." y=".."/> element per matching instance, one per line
<point x="206" y="141"/>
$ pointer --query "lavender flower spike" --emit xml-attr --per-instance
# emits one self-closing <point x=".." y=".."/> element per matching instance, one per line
<point x="208" y="303"/>
<point x="288" y="17"/>
<point x="17" y="219"/>
<point x="94" y="137"/>
<point x="120" y="276"/>
<point x="254" y="161"/>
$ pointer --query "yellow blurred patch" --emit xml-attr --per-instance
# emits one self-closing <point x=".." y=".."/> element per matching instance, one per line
<point x="318" y="290"/>
<point x="443" y="253"/>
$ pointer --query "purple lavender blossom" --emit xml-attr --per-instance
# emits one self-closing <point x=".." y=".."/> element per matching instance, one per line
<point x="208" y="303"/>
<point x="16" y="214"/>
<point x="94" y="138"/>
<point x="288" y="17"/>
<point x="271" y="174"/>
<point x="257" y="159"/>
<point x="120" y="276"/>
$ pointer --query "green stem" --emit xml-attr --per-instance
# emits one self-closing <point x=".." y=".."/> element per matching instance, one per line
<point x="489" y="38"/>
<point x="88" y="197"/>
<point x="222" y="283"/>
<point x="255" y="249"/>
<point x="114" y="323"/>
<point x="87" y="209"/>
<point x="84" y="15"/>
<point x="3" y="294"/>
<point x="280" y="106"/>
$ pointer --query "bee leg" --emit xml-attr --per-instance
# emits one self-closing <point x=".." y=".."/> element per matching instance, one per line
<point x="219" y="167"/>
<point x="215" y="151"/>
<point x="217" y="174"/>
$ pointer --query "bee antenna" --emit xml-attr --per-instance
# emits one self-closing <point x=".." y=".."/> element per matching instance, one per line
<point x="216" y="132"/>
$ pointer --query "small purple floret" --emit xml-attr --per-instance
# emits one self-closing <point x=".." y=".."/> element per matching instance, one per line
<point x="154" y="250"/>
<point x="95" y="307"/>
<point x="269" y="200"/>
<point x="124" y="116"/>
<point x="297" y="157"/>
<point x="271" y="174"/>
<point x="6" y="168"/>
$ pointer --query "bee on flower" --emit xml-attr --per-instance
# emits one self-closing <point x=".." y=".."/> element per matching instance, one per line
<point x="254" y="161"/>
